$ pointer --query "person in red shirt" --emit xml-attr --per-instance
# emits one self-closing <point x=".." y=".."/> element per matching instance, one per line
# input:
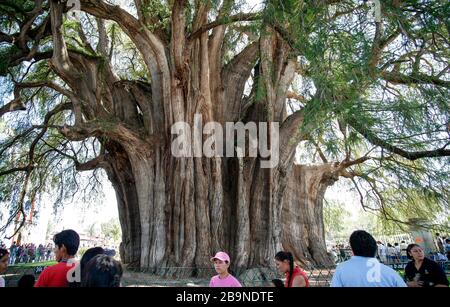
<point x="295" y="277"/>
<point x="66" y="246"/>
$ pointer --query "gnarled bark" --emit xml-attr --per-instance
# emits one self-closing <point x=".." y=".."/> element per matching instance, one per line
<point x="303" y="228"/>
<point x="180" y="211"/>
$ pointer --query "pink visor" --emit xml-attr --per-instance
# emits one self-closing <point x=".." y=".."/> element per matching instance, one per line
<point x="221" y="256"/>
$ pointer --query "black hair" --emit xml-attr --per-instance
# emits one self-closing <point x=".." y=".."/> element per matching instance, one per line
<point x="102" y="271"/>
<point x="409" y="248"/>
<point x="363" y="244"/>
<point x="282" y="256"/>
<point x="447" y="240"/>
<point x="88" y="255"/>
<point x="70" y="239"/>
<point x="26" y="281"/>
<point x="229" y="270"/>
<point x="278" y="283"/>
<point x="403" y="242"/>
<point x="3" y="252"/>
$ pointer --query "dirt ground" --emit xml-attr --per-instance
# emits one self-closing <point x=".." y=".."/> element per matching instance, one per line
<point x="137" y="279"/>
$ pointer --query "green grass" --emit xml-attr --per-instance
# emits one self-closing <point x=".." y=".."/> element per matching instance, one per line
<point x="32" y="265"/>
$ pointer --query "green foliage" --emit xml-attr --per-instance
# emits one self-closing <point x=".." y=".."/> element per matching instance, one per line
<point x="157" y="10"/>
<point x="34" y="264"/>
<point x="334" y="218"/>
<point x="111" y="230"/>
<point x="6" y="52"/>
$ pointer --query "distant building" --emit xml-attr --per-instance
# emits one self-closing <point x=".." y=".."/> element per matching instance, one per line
<point x="91" y="241"/>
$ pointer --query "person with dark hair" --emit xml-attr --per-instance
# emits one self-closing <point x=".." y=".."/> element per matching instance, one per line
<point x="295" y="277"/>
<point x="4" y="261"/>
<point x="26" y="281"/>
<point x="403" y="254"/>
<point x="12" y="253"/>
<point x="66" y="246"/>
<point x="87" y="256"/>
<point x="397" y="252"/>
<point x="439" y="244"/>
<point x="382" y="252"/>
<point x="222" y="266"/>
<point x="102" y="271"/>
<point x="48" y="252"/>
<point x="363" y="269"/>
<point x="19" y="253"/>
<point x="421" y="271"/>
<point x="277" y="283"/>
<point x="391" y="253"/>
<point x="447" y="248"/>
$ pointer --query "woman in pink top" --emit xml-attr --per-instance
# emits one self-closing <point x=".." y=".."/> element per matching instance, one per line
<point x="224" y="278"/>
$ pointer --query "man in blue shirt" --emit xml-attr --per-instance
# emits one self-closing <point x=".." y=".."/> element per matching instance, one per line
<point x="363" y="269"/>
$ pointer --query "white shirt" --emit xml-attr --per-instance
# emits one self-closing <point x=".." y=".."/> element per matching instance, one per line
<point x="381" y="250"/>
<point x="365" y="272"/>
<point x="2" y="282"/>
<point x="391" y="251"/>
<point x="403" y="247"/>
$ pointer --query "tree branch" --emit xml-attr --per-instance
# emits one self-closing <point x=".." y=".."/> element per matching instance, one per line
<point x="376" y="47"/>
<point x="291" y="134"/>
<point x="234" y="75"/>
<point x="224" y="21"/>
<point x="26" y="168"/>
<point x="414" y="155"/>
<point x="14" y="105"/>
<point x="91" y="164"/>
<point x="49" y="84"/>
<point x="295" y="96"/>
<point x="178" y="35"/>
<point x="419" y="78"/>
<point x="60" y="59"/>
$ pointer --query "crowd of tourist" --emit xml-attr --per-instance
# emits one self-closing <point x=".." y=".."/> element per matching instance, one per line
<point x="98" y="268"/>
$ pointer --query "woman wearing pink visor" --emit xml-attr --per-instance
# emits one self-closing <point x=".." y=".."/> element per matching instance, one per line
<point x="224" y="278"/>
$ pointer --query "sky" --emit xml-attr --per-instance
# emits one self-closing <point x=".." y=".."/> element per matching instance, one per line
<point x="77" y="215"/>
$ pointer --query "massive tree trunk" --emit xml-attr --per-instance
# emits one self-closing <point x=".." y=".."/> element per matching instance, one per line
<point x="303" y="228"/>
<point x="178" y="211"/>
<point x="168" y="221"/>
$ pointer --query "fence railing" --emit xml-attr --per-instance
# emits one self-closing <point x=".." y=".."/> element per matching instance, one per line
<point x="14" y="273"/>
<point x="200" y="277"/>
<point x="187" y="276"/>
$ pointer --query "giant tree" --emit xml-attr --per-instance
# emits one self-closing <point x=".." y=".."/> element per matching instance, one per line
<point x="367" y="94"/>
